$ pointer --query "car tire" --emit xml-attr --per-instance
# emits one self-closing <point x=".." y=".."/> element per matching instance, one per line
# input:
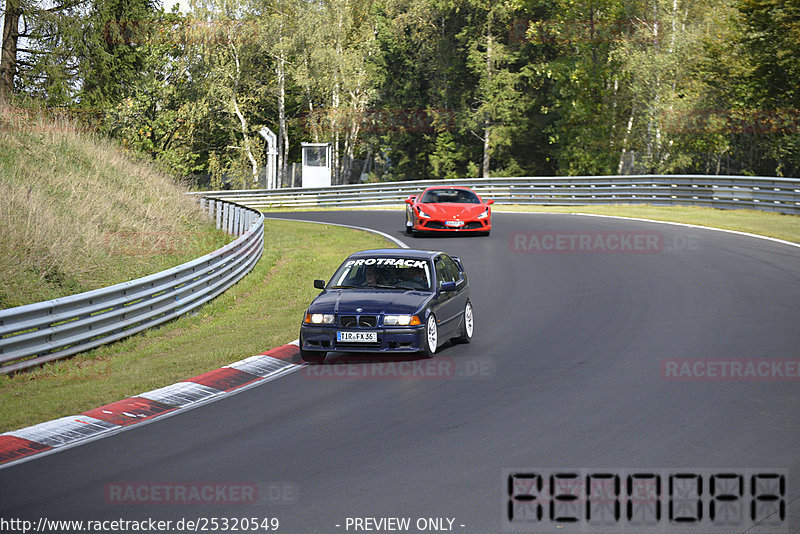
<point x="312" y="356"/>
<point x="430" y="338"/>
<point x="409" y="229"/>
<point x="469" y="324"/>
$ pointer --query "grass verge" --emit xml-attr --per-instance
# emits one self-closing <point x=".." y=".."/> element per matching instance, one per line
<point x="78" y="213"/>
<point x="262" y="311"/>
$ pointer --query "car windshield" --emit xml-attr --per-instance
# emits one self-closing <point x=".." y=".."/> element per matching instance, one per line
<point x="382" y="273"/>
<point x="459" y="196"/>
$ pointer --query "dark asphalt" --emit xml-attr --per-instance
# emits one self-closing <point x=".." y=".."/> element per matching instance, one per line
<point x="566" y="370"/>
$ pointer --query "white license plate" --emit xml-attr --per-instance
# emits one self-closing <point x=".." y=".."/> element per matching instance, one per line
<point x="454" y="223"/>
<point x="357" y="337"/>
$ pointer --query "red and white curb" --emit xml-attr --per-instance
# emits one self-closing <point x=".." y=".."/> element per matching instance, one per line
<point x="51" y="436"/>
<point x="44" y="438"/>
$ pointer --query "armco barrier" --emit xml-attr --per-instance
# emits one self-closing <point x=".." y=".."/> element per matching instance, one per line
<point x="769" y="194"/>
<point x="37" y="333"/>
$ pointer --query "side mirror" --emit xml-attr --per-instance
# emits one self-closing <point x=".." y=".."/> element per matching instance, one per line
<point x="448" y="286"/>
<point x="319" y="284"/>
<point x="410" y="200"/>
<point x="490" y="202"/>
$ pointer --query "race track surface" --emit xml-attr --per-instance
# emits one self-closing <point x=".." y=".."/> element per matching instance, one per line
<point x="583" y="358"/>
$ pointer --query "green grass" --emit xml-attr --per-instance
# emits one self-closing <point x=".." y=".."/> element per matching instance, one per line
<point x="78" y="213"/>
<point x="261" y="312"/>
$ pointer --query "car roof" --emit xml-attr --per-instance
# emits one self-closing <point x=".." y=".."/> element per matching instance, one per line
<point x="464" y="188"/>
<point x="396" y="253"/>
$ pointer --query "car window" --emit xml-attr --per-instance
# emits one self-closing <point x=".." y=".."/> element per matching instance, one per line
<point x="446" y="270"/>
<point x="452" y="268"/>
<point x="459" y="196"/>
<point x="386" y="273"/>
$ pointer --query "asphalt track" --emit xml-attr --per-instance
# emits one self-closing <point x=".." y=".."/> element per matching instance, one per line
<point x="568" y="369"/>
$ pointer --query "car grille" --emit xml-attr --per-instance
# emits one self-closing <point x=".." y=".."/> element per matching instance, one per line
<point x="436" y="225"/>
<point x="358" y="321"/>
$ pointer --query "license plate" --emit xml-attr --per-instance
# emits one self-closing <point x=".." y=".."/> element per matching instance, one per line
<point x="357" y="337"/>
<point x="454" y="223"/>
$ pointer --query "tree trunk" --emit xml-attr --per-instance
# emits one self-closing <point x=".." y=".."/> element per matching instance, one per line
<point x="487" y="121"/>
<point x="283" y="136"/>
<point x="625" y="142"/>
<point x="242" y="121"/>
<point x="8" y="56"/>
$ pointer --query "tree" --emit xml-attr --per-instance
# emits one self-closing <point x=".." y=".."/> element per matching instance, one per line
<point x="163" y="115"/>
<point x="494" y="105"/>
<point x="117" y="36"/>
<point x="771" y="40"/>
<point x="9" y="48"/>
<point x="73" y="52"/>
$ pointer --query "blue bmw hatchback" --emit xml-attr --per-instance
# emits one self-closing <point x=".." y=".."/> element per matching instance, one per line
<point x="389" y="301"/>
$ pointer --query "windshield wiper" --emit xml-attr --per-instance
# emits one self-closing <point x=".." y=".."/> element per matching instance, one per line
<point x="341" y="287"/>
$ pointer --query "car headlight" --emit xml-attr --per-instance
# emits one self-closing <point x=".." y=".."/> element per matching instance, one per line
<point x="318" y="318"/>
<point x="423" y="214"/>
<point x="484" y="214"/>
<point x="401" y="320"/>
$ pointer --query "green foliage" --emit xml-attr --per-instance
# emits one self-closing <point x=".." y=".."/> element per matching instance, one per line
<point x="433" y="88"/>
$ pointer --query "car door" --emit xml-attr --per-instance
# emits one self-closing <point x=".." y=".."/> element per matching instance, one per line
<point x="462" y="289"/>
<point x="450" y="303"/>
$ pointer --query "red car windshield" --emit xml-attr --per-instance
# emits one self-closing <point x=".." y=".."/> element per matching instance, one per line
<point x="453" y="196"/>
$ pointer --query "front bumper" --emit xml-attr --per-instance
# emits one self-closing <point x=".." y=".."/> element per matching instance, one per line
<point x="407" y="339"/>
<point x="434" y="225"/>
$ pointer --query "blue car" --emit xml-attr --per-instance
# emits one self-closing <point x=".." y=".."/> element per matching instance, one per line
<point x="389" y="301"/>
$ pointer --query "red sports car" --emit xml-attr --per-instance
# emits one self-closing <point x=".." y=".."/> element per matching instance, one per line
<point x="448" y="209"/>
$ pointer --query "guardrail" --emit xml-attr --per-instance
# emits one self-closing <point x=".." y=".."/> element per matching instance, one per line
<point x="770" y="194"/>
<point x="37" y="333"/>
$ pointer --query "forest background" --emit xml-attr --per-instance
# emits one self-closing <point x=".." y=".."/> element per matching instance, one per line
<point x="419" y="89"/>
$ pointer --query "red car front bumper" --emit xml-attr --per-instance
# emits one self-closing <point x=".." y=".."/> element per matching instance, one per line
<point x="436" y="225"/>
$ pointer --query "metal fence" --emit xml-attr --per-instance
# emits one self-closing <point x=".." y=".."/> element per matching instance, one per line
<point x="37" y="333"/>
<point x="770" y="194"/>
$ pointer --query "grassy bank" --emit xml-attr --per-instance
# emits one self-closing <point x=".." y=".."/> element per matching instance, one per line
<point x="260" y="312"/>
<point x="77" y="213"/>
